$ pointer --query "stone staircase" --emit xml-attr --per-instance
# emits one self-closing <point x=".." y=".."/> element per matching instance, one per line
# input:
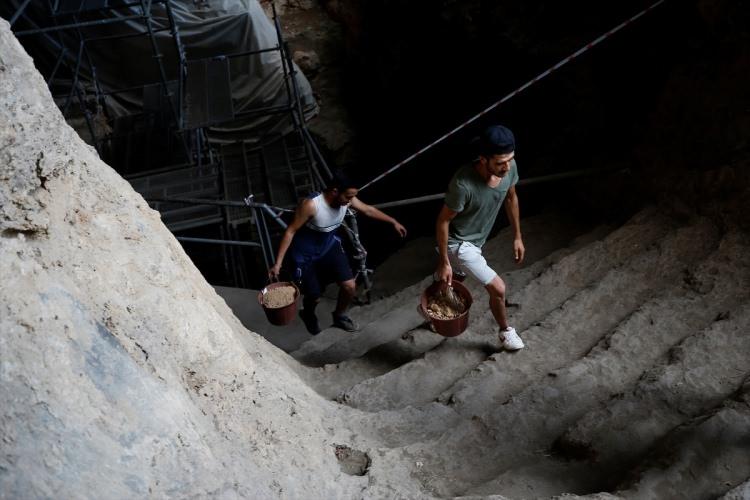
<point x="634" y="379"/>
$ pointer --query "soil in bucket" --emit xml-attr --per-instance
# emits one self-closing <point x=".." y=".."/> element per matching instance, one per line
<point x="279" y="297"/>
<point x="441" y="306"/>
<point x="279" y="302"/>
<point x="448" y="318"/>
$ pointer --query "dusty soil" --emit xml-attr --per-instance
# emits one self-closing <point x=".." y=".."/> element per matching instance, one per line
<point x="279" y="297"/>
<point x="443" y="306"/>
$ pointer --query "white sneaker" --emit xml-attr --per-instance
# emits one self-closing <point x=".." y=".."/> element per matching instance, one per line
<point x="511" y="340"/>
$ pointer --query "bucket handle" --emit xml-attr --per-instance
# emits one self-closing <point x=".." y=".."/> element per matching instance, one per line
<point x="271" y="279"/>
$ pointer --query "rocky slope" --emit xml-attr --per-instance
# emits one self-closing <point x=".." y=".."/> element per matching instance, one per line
<point x="122" y="371"/>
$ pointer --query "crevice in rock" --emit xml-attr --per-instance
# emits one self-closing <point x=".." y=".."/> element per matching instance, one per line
<point x="352" y="462"/>
<point x="40" y="171"/>
<point x="13" y="232"/>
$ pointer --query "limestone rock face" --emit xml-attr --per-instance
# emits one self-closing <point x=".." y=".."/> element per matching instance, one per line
<point x="26" y="166"/>
<point x="319" y="49"/>
<point x="121" y="371"/>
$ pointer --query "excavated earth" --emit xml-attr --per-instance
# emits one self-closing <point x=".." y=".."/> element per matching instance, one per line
<point x="123" y="374"/>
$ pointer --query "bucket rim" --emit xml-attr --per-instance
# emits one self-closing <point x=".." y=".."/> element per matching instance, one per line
<point x="278" y="284"/>
<point x="463" y="289"/>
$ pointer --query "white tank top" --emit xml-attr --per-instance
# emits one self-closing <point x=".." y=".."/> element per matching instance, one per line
<point x="326" y="218"/>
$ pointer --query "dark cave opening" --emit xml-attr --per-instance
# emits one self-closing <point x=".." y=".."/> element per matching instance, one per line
<point x="590" y="114"/>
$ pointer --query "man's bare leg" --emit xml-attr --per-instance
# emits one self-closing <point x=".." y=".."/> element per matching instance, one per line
<point x="496" y="289"/>
<point x="308" y="314"/>
<point x="508" y="336"/>
<point x="347" y="290"/>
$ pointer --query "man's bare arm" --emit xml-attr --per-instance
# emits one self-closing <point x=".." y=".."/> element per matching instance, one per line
<point x="376" y="214"/>
<point x="514" y="216"/>
<point x="444" y="270"/>
<point x="305" y="211"/>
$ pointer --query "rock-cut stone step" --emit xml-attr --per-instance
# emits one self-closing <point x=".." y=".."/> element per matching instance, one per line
<point x="333" y="380"/>
<point x="424" y="379"/>
<point x="578" y="270"/>
<point x="330" y="380"/>
<point x="405" y="426"/>
<point x="543" y="477"/>
<point x="334" y="377"/>
<point x="741" y="492"/>
<point x="499" y="437"/>
<point x="700" y="374"/>
<point x="417" y="342"/>
<point x="387" y="320"/>
<point x="570" y="331"/>
<point x="704" y="460"/>
<point x="697" y="375"/>
<point x="335" y="346"/>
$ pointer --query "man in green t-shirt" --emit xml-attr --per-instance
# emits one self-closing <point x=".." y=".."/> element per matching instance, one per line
<point x="472" y="203"/>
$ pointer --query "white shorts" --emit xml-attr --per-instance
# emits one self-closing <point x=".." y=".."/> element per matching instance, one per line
<point x="468" y="258"/>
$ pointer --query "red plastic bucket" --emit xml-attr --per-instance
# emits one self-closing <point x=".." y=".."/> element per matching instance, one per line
<point x="447" y="327"/>
<point x="279" y="316"/>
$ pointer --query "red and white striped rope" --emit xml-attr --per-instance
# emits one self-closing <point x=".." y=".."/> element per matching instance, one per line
<point x="520" y="89"/>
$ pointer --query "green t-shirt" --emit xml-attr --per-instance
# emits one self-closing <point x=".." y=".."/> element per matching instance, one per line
<point x="477" y="204"/>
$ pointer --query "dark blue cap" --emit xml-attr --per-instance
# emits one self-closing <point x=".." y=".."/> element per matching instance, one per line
<point x="496" y="140"/>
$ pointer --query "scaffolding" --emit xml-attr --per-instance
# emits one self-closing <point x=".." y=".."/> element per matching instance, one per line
<point x="165" y="149"/>
<point x="276" y="172"/>
<point x="69" y="30"/>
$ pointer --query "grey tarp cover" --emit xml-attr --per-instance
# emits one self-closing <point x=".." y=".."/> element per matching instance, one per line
<point x="207" y="28"/>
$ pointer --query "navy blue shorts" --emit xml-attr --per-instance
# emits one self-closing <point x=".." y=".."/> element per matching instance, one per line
<point x="331" y="267"/>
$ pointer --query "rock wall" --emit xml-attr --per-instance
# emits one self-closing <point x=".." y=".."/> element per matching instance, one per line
<point x="318" y="46"/>
<point x="121" y="370"/>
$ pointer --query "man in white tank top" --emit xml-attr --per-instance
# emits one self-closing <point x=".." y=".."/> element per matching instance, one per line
<point x="314" y="255"/>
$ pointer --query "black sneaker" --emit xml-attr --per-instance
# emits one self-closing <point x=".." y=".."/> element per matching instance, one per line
<point x="345" y="322"/>
<point x="311" y="321"/>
